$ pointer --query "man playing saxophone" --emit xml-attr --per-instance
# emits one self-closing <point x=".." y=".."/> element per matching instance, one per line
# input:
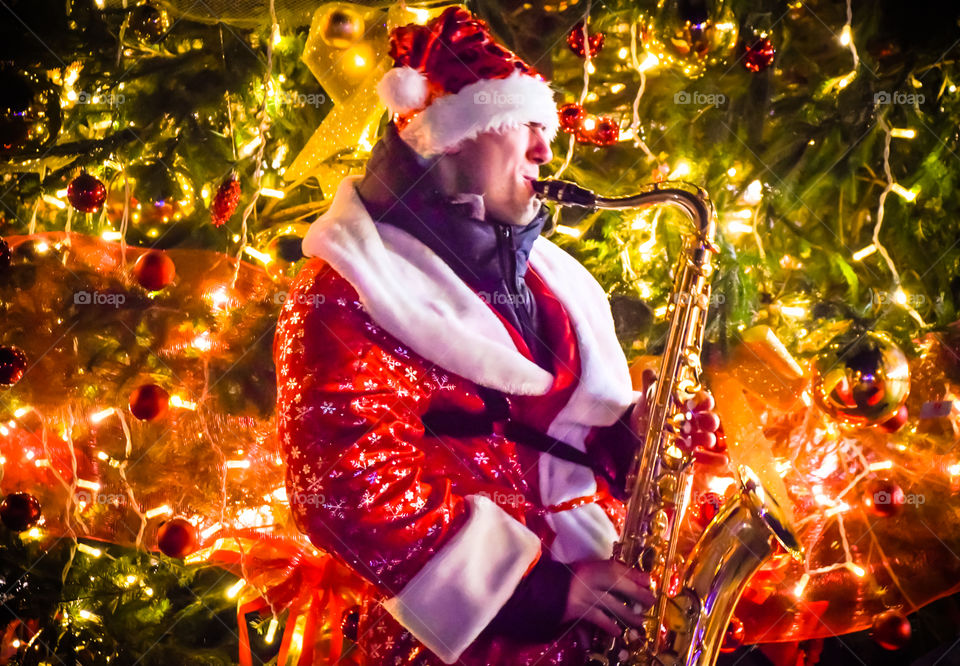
<point x="455" y="409"/>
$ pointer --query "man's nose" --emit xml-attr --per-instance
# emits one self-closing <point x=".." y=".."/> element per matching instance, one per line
<point x="538" y="148"/>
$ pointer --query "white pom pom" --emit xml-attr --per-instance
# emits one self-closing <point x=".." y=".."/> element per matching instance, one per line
<point x="403" y="89"/>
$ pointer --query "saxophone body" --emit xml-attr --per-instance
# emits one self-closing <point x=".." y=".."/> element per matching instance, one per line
<point x="695" y="593"/>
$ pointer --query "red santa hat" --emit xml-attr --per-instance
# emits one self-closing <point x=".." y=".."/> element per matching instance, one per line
<point x="451" y="81"/>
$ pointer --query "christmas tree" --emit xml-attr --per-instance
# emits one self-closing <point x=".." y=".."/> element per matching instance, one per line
<point x="162" y="161"/>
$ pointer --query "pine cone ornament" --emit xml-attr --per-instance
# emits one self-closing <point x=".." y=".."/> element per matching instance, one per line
<point x="225" y="200"/>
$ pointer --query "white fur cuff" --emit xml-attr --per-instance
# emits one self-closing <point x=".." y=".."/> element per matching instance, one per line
<point x="466" y="583"/>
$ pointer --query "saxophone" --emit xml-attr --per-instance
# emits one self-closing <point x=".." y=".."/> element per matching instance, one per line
<point x="695" y="598"/>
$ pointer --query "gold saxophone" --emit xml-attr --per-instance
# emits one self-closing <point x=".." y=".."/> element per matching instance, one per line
<point x="687" y="623"/>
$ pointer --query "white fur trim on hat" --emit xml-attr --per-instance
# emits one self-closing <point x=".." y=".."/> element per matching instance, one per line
<point x="403" y="89"/>
<point x="488" y="104"/>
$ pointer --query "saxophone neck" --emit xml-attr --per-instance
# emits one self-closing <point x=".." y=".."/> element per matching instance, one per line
<point x="692" y="199"/>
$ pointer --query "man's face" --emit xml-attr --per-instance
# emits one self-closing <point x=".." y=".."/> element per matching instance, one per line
<point x="500" y="166"/>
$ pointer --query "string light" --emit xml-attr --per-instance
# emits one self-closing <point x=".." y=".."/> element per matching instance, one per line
<point x="648" y="63"/>
<point x="682" y="170"/>
<point x="89" y="550"/>
<point x="202" y="342"/>
<point x="573" y="232"/>
<point x="753" y="195"/>
<point x="238" y="464"/>
<point x="263" y="257"/>
<point x="863" y="253"/>
<point x="906" y="194"/>
<point x="909" y="195"/>
<point x="178" y="401"/>
<point x="97" y="417"/>
<point x="162" y="510"/>
<point x="210" y="531"/>
<point x="795" y="311"/>
<point x="900" y="133"/>
<point x="271" y="631"/>
<point x="234" y="589"/>
<point x="53" y="201"/>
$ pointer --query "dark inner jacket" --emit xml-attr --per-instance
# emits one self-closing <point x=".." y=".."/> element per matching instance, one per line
<point x="400" y="189"/>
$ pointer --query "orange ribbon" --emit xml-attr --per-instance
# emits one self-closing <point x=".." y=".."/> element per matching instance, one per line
<point x="290" y="577"/>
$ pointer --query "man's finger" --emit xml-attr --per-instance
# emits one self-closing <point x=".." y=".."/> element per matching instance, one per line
<point x="621" y="611"/>
<point x="702" y="421"/>
<point x="598" y="618"/>
<point x="702" y="401"/>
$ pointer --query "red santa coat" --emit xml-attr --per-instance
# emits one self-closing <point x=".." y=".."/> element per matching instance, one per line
<point x="378" y="332"/>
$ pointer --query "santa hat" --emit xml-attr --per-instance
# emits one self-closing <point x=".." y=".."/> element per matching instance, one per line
<point x="451" y="81"/>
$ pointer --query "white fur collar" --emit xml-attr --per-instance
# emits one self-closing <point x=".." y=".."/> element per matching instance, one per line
<point x="409" y="291"/>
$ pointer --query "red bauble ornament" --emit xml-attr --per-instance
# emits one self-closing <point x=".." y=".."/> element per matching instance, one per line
<point x="19" y="511"/>
<point x="177" y="538"/>
<point x="149" y="402"/>
<point x="891" y="630"/>
<point x="225" y="200"/>
<point x="13" y="363"/>
<point x="154" y="270"/>
<point x="884" y="498"/>
<point x="758" y="54"/>
<point x="733" y="638"/>
<point x="86" y="193"/>
<point x="897" y="421"/>
<point x="571" y="118"/>
<point x="606" y="133"/>
<point x="576" y="42"/>
<point x="706" y="508"/>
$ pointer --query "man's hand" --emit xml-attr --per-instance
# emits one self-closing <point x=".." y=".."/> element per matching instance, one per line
<point x="699" y="430"/>
<point x="605" y="594"/>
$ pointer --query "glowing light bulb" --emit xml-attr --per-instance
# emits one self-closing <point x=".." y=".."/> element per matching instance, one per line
<point x="649" y="63"/>
<point x="234" y="589"/>
<point x="163" y="509"/>
<point x="901" y="133"/>
<point x="754" y="193"/>
<point x="568" y="231"/>
<point x="845" y="36"/>
<point x="682" y="170"/>
<point x="863" y="253"/>
<point x="909" y="195"/>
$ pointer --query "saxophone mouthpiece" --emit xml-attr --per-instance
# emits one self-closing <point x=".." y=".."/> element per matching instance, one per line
<point x="565" y="193"/>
